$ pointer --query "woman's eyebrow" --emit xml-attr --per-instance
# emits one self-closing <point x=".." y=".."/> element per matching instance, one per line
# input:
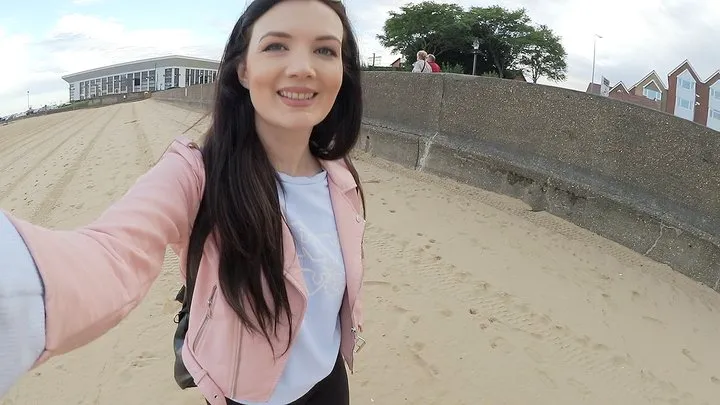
<point x="281" y="34"/>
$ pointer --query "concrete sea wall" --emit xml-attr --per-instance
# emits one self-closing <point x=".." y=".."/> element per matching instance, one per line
<point x="645" y="179"/>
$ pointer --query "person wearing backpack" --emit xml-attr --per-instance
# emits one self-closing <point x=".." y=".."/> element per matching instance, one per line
<point x="421" y="65"/>
<point x="266" y="213"/>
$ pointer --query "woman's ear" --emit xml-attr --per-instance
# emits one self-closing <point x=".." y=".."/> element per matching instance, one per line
<point x="242" y="74"/>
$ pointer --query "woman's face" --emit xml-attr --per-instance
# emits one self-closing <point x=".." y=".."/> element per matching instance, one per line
<point x="293" y="67"/>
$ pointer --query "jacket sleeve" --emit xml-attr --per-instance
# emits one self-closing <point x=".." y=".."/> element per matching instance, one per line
<point x="22" y="311"/>
<point x="95" y="275"/>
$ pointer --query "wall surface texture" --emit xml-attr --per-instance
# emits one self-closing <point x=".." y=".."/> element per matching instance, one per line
<point x="645" y="179"/>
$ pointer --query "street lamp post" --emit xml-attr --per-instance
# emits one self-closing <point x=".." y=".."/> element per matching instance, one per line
<point x="595" y="38"/>
<point x="476" y="47"/>
<point x="28" y="94"/>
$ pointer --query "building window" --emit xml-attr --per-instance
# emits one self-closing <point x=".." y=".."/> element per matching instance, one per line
<point x="167" y="78"/>
<point x="714" y="93"/>
<point x="715" y="114"/>
<point x="652" y="94"/>
<point x="686" y="84"/>
<point x="684" y="103"/>
<point x="153" y="85"/>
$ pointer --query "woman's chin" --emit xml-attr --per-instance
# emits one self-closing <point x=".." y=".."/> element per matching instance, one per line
<point x="298" y="122"/>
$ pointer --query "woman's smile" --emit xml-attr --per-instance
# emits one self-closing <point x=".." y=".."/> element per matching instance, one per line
<point x="297" y="96"/>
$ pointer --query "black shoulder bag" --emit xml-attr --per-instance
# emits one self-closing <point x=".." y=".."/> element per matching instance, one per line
<point x="182" y="319"/>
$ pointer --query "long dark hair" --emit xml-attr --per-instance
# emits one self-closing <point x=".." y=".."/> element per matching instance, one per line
<point x="240" y="207"/>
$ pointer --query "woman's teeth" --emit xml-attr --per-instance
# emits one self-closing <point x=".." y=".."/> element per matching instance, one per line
<point x="296" y="96"/>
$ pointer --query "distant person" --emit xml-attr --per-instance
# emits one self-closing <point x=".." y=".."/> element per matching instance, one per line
<point x="431" y="61"/>
<point x="271" y="179"/>
<point x="421" y="65"/>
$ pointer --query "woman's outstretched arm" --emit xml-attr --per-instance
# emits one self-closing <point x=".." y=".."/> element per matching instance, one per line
<point x="95" y="275"/>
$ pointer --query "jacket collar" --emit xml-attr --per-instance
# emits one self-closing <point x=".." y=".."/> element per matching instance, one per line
<point x="339" y="174"/>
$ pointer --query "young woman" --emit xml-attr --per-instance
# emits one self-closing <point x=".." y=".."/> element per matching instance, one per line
<point x="269" y="206"/>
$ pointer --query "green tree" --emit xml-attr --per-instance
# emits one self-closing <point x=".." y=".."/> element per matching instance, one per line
<point x="544" y="55"/>
<point x="434" y="27"/>
<point x="502" y="34"/>
<point x="508" y="42"/>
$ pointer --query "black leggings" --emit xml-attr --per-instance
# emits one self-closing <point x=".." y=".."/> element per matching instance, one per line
<point x="331" y="390"/>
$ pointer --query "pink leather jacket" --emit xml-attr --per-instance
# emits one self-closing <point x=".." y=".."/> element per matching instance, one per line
<point x="95" y="275"/>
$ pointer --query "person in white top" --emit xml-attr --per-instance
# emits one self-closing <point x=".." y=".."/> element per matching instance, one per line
<point x="421" y="65"/>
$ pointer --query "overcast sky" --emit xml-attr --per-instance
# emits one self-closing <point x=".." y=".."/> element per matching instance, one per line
<point x="41" y="41"/>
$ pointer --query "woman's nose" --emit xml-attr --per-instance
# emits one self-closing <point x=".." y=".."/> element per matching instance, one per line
<point x="300" y="64"/>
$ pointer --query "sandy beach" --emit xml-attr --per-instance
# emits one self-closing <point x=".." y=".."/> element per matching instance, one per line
<point x="470" y="297"/>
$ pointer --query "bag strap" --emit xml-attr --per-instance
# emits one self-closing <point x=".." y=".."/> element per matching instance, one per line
<point x="190" y="276"/>
<point x="191" y="271"/>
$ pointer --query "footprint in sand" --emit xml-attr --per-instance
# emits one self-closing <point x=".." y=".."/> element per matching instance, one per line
<point x="393" y="287"/>
<point x="580" y="387"/>
<point x="502" y="344"/>
<point x="534" y="355"/>
<point x="546" y="379"/>
<point x="689" y="356"/>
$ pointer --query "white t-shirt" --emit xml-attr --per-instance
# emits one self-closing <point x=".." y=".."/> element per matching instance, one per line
<point x="421" y="66"/>
<point x="308" y="209"/>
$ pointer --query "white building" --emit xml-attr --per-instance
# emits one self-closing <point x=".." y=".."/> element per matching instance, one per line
<point x="142" y="75"/>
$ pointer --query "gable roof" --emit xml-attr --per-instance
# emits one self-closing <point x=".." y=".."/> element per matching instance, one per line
<point x="620" y="84"/>
<point x="657" y="79"/>
<point x="714" y="78"/>
<point x="689" y="67"/>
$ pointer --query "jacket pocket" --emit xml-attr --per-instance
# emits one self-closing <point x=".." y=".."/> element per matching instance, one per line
<point x="206" y="319"/>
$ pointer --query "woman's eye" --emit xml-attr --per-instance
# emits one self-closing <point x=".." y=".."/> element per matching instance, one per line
<point x="327" y="51"/>
<point x="274" y="47"/>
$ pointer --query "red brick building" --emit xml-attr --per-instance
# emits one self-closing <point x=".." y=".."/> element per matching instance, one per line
<point x="686" y="94"/>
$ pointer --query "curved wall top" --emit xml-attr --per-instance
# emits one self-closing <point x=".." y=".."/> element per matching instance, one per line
<point x="626" y="172"/>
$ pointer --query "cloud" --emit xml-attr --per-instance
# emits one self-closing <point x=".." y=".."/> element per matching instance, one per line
<point x="13" y="74"/>
<point x="79" y="42"/>
<point x="638" y="36"/>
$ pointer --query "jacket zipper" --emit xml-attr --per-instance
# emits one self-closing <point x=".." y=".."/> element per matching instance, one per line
<point x="207" y="317"/>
